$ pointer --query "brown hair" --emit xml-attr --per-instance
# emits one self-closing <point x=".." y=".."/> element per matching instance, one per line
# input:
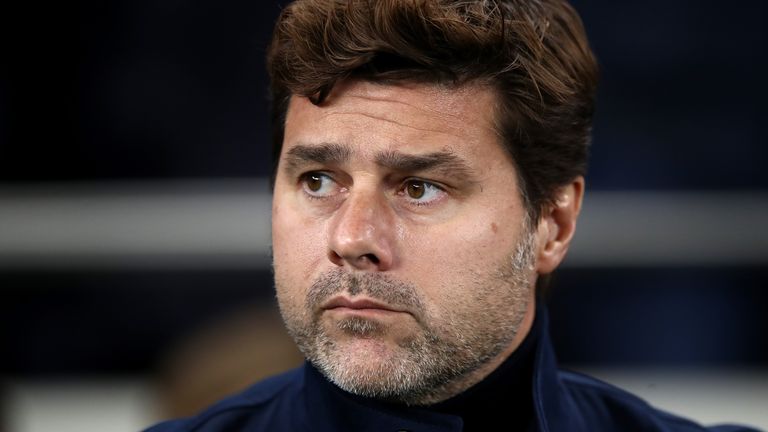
<point x="533" y="53"/>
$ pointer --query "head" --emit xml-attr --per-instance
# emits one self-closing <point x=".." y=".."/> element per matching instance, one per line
<point x="430" y="161"/>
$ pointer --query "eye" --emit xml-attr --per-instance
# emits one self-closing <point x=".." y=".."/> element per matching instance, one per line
<point x="421" y="192"/>
<point x="317" y="184"/>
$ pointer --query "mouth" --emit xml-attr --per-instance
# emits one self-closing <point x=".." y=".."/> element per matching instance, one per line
<point x="345" y="304"/>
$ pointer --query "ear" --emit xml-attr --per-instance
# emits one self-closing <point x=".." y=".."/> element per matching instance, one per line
<point x="557" y="226"/>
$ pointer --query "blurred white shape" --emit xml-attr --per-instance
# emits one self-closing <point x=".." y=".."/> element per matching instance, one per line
<point x="635" y="228"/>
<point x="226" y="223"/>
<point x="221" y="223"/>
<point x="709" y="397"/>
<point x="109" y="405"/>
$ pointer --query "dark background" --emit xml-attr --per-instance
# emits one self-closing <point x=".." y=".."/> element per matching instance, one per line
<point x="172" y="89"/>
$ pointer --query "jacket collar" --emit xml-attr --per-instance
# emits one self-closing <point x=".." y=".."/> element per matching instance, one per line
<point x="554" y="409"/>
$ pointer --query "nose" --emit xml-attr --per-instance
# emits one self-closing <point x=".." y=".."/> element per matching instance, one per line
<point x="361" y="233"/>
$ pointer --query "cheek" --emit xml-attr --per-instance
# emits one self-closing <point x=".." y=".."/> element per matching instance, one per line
<point x="448" y="261"/>
<point x="474" y="241"/>
<point x="441" y="259"/>
<point x="298" y="245"/>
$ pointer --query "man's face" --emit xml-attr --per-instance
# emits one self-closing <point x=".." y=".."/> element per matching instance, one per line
<point x="402" y="256"/>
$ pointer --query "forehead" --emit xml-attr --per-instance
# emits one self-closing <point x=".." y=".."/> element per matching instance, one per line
<point x="403" y="117"/>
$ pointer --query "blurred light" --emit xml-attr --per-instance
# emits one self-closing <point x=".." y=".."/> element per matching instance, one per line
<point x="226" y="224"/>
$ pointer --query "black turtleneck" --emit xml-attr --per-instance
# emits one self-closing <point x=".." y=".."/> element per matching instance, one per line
<point x="504" y="399"/>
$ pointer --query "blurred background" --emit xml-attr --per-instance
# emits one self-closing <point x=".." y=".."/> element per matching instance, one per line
<point x="134" y="211"/>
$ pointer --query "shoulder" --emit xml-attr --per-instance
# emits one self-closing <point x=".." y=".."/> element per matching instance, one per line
<point x="607" y="407"/>
<point x="266" y="405"/>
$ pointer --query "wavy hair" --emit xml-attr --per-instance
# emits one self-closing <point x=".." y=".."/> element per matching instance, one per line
<point x="533" y="53"/>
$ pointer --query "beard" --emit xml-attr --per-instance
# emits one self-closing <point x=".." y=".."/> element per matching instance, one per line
<point x="450" y="341"/>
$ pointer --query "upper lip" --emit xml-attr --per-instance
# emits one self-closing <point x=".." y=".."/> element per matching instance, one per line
<point x="358" y="304"/>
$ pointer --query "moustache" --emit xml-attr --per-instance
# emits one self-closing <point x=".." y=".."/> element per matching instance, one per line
<point x="376" y="286"/>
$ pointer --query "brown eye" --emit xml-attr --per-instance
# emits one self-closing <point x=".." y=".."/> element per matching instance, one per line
<point x="415" y="190"/>
<point x="314" y="182"/>
<point x="421" y="192"/>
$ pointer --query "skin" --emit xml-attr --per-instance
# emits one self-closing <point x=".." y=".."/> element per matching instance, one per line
<point x="403" y="196"/>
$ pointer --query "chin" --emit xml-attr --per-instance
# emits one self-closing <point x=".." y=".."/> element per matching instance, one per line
<point x="367" y="366"/>
<point x="366" y="374"/>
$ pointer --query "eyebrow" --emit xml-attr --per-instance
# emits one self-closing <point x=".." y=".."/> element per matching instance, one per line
<point x="323" y="153"/>
<point x="445" y="162"/>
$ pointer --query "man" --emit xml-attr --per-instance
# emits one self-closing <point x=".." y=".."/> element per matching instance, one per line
<point x="430" y="161"/>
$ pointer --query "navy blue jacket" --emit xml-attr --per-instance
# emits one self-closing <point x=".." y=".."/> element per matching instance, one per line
<point x="303" y="400"/>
